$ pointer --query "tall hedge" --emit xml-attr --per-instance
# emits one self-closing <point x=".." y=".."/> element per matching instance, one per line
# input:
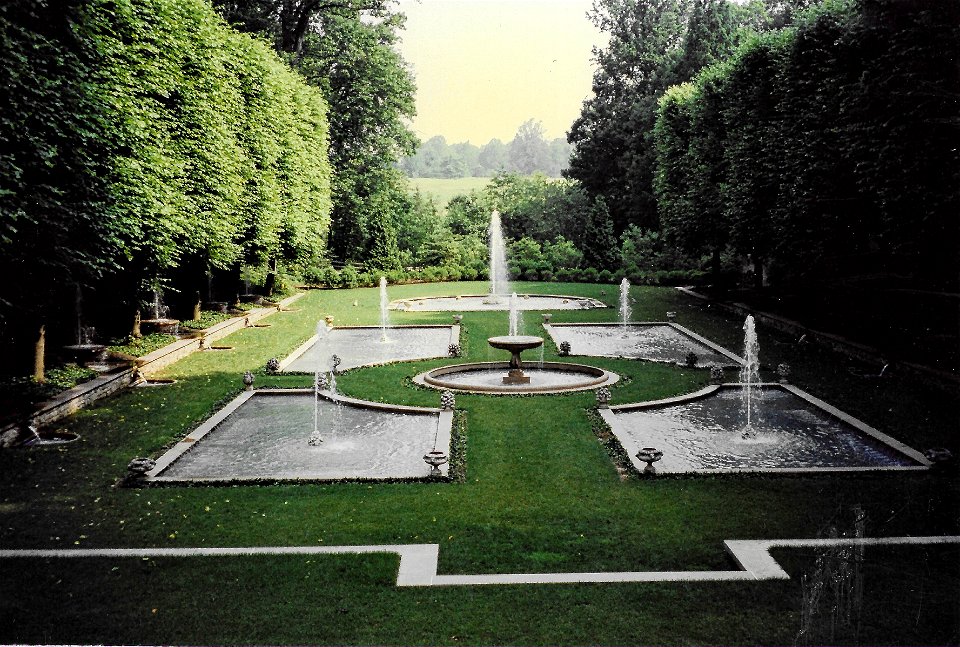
<point x="827" y="148"/>
<point x="145" y="140"/>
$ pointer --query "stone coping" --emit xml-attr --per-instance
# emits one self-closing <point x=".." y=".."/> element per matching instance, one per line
<point x="838" y="343"/>
<point x="398" y="304"/>
<point x="683" y="330"/>
<point x="599" y="377"/>
<point x="609" y="416"/>
<point x="419" y="562"/>
<point x="82" y="395"/>
<point x="443" y="438"/>
<point x="305" y="346"/>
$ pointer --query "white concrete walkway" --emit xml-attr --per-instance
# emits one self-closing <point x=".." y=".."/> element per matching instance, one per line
<point x="418" y="562"/>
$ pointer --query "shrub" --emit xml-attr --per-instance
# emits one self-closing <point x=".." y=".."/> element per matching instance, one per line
<point x="589" y="275"/>
<point x="331" y="278"/>
<point x="350" y="277"/>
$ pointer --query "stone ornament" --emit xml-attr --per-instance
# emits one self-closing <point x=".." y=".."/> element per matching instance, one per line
<point x="248" y="380"/>
<point x="140" y="466"/>
<point x="649" y="455"/>
<point x="783" y="370"/>
<point x="564" y="348"/>
<point x="435" y="459"/>
<point x="454" y="350"/>
<point x="273" y="365"/>
<point x="603" y="397"/>
<point x="716" y="374"/>
<point x="448" y="401"/>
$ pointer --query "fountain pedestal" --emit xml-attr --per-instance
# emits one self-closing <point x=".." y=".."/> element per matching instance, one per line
<point x="515" y="344"/>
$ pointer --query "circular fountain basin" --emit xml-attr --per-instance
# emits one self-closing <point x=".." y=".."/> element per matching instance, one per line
<point x="487" y="377"/>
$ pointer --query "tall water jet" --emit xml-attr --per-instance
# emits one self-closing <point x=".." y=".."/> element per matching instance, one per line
<point x="499" y="279"/>
<point x="315" y="438"/>
<point x="384" y="312"/>
<point x="625" y="310"/>
<point x="749" y="375"/>
<point x="515" y="320"/>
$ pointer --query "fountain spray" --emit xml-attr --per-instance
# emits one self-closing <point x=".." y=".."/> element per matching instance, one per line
<point x="498" y="257"/>
<point x="749" y="374"/>
<point x="515" y="321"/>
<point x="384" y="311"/>
<point x="624" y="302"/>
<point x="315" y="438"/>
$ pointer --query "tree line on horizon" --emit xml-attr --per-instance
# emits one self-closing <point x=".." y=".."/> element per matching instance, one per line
<point x="527" y="153"/>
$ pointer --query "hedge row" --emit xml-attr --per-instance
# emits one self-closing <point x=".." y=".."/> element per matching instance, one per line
<point x="823" y="150"/>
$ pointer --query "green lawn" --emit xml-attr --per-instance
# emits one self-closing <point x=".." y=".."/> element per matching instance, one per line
<point x="443" y="190"/>
<point x="540" y="494"/>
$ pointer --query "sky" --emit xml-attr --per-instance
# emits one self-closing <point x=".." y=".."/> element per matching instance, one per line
<point x="483" y="67"/>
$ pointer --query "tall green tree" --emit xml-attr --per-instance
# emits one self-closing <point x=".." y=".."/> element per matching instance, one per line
<point x="350" y="56"/>
<point x="612" y="138"/>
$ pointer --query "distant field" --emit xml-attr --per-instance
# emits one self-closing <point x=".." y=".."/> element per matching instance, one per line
<point x="443" y="190"/>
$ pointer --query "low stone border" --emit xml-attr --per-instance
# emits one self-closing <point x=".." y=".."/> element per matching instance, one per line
<point x="609" y="416"/>
<point x="715" y="347"/>
<point x="83" y="395"/>
<point x="398" y="304"/>
<point x="596" y="377"/>
<point x="154" y="476"/>
<point x="837" y="343"/>
<point x="418" y="562"/>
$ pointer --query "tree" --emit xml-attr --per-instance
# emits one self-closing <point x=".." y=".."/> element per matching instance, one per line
<point x="351" y="58"/>
<point x="529" y="151"/>
<point x="287" y="22"/>
<point x="493" y="157"/>
<point x="612" y="137"/>
<point x="599" y="241"/>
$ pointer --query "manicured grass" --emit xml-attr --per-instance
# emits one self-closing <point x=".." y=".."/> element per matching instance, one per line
<point x="540" y="495"/>
<point x="443" y="190"/>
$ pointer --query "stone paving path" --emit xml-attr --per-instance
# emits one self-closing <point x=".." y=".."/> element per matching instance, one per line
<point x="418" y="562"/>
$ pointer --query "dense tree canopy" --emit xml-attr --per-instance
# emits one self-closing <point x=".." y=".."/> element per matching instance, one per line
<point x="148" y="145"/>
<point x="346" y="48"/>
<point x="824" y="149"/>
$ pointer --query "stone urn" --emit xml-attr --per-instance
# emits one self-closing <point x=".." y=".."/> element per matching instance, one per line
<point x="649" y="455"/>
<point x="448" y="401"/>
<point x="783" y="371"/>
<point x="457" y="318"/>
<point x="137" y="469"/>
<point x="248" y="379"/>
<point x="603" y="397"/>
<point x="435" y="459"/>
<point x="546" y="317"/>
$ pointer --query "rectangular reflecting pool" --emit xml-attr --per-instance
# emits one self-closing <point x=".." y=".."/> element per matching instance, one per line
<point x="263" y="435"/>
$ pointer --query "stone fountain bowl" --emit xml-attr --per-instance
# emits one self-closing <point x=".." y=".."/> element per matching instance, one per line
<point x="86" y="353"/>
<point x="168" y="326"/>
<point x="515" y="343"/>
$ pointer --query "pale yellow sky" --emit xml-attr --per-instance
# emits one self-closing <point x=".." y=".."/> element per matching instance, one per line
<point x="483" y="67"/>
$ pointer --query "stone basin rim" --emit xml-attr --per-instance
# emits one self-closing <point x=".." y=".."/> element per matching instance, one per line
<point x="594" y="378"/>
